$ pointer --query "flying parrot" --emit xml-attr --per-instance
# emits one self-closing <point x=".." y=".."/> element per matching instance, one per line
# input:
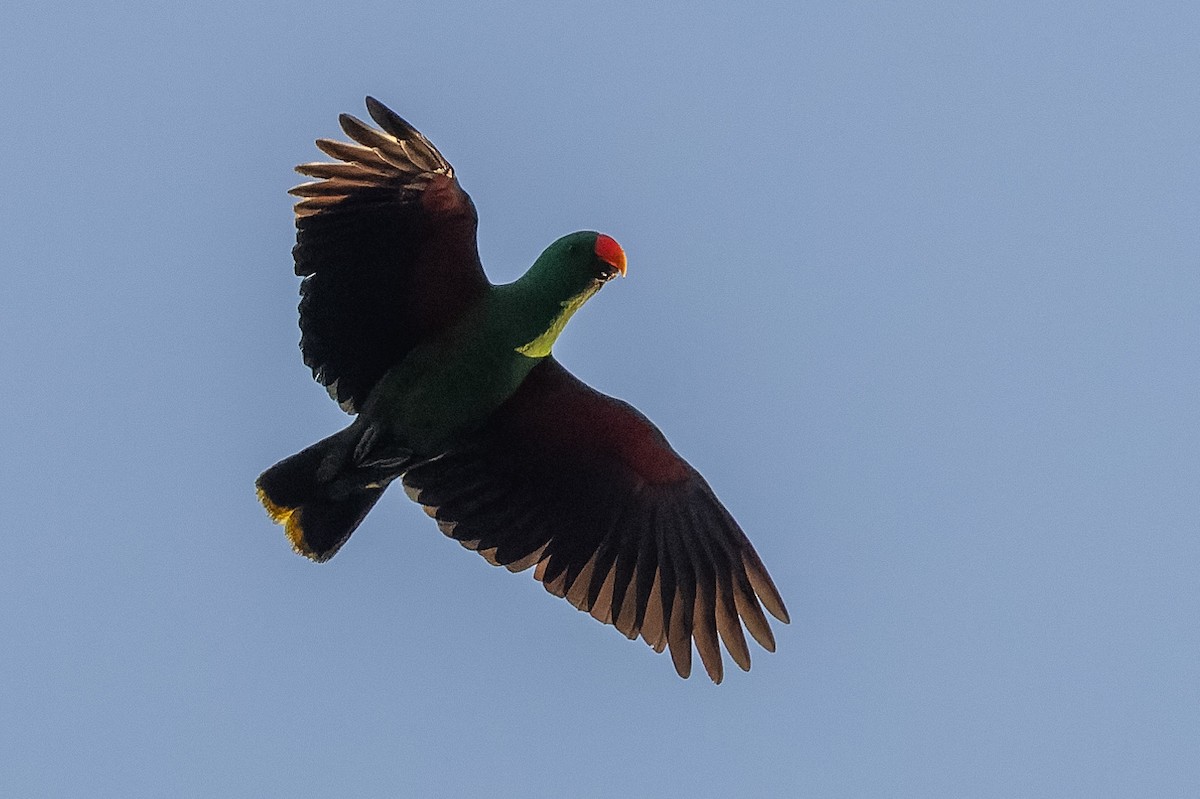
<point x="457" y="394"/>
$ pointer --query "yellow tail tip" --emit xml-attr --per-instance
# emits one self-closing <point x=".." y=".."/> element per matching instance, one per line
<point x="290" y="519"/>
<point x="278" y="513"/>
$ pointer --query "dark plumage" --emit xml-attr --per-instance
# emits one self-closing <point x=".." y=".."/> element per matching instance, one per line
<point x="456" y="394"/>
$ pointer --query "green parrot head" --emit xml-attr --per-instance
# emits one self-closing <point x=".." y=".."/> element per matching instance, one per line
<point x="579" y="263"/>
<point x="562" y="279"/>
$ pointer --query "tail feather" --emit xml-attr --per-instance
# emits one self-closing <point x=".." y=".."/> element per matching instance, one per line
<point x="314" y="496"/>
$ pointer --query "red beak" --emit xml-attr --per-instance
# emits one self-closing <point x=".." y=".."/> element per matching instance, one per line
<point x="610" y="252"/>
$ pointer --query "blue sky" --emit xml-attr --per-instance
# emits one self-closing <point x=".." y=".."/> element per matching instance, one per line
<point x="913" y="284"/>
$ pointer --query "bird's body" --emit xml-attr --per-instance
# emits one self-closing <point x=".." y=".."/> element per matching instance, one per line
<point x="457" y="393"/>
<point x="453" y="381"/>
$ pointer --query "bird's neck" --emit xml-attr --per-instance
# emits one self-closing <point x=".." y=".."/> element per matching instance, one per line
<point x="537" y="308"/>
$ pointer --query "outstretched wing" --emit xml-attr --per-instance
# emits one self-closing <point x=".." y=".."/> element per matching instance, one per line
<point x="587" y="489"/>
<point x="386" y="246"/>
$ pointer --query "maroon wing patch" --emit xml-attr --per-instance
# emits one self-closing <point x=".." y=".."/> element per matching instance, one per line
<point x="588" y="490"/>
<point x="385" y="243"/>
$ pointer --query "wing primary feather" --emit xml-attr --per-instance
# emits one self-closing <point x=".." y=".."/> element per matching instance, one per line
<point x="711" y="539"/>
<point x="679" y="636"/>
<point x="314" y="205"/>
<point x="617" y="586"/>
<point x="646" y="569"/>
<point x="406" y="156"/>
<point x="625" y="561"/>
<point x="392" y="122"/>
<point x="637" y="541"/>
<point x="577" y="594"/>
<point x="302" y="212"/>
<point x="736" y="540"/>
<point x="704" y="629"/>
<point x="556" y="564"/>
<point x="397" y="155"/>
<point x="558" y="574"/>
<point x="679" y="633"/>
<point x="389" y="120"/>
<point x="534" y="538"/>
<point x="351" y="171"/>
<point x="585" y="539"/>
<point x="763" y="585"/>
<point x="601" y="609"/>
<point x="557" y="585"/>
<point x="625" y="612"/>
<point x="606" y="555"/>
<point x="344" y="151"/>
<point x="324" y="188"/>
<point x="524" y="563"/>
<point x="728" y="625"/>
<point x="420" y="158"/>
<point x="751" y="613"/>
<point x="736" y="545"/>
<point x="693" y="536"/>
<point x="367" y="136"/>
<point x="655" y="625"/>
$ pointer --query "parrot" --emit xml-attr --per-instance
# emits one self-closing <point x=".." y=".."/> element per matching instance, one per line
<point x="456" y="393"/>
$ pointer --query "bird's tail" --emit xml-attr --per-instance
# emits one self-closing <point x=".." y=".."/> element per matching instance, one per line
<point x="320" y="496"/>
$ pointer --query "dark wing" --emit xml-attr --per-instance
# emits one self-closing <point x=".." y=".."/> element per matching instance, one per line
<point x="587" y="489"/>
<point x="386" y="246"/>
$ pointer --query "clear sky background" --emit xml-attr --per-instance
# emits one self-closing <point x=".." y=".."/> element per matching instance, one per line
<point x="915" y="285"/>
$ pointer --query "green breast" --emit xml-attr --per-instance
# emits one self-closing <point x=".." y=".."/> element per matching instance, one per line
<point x="452" y="383"/>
